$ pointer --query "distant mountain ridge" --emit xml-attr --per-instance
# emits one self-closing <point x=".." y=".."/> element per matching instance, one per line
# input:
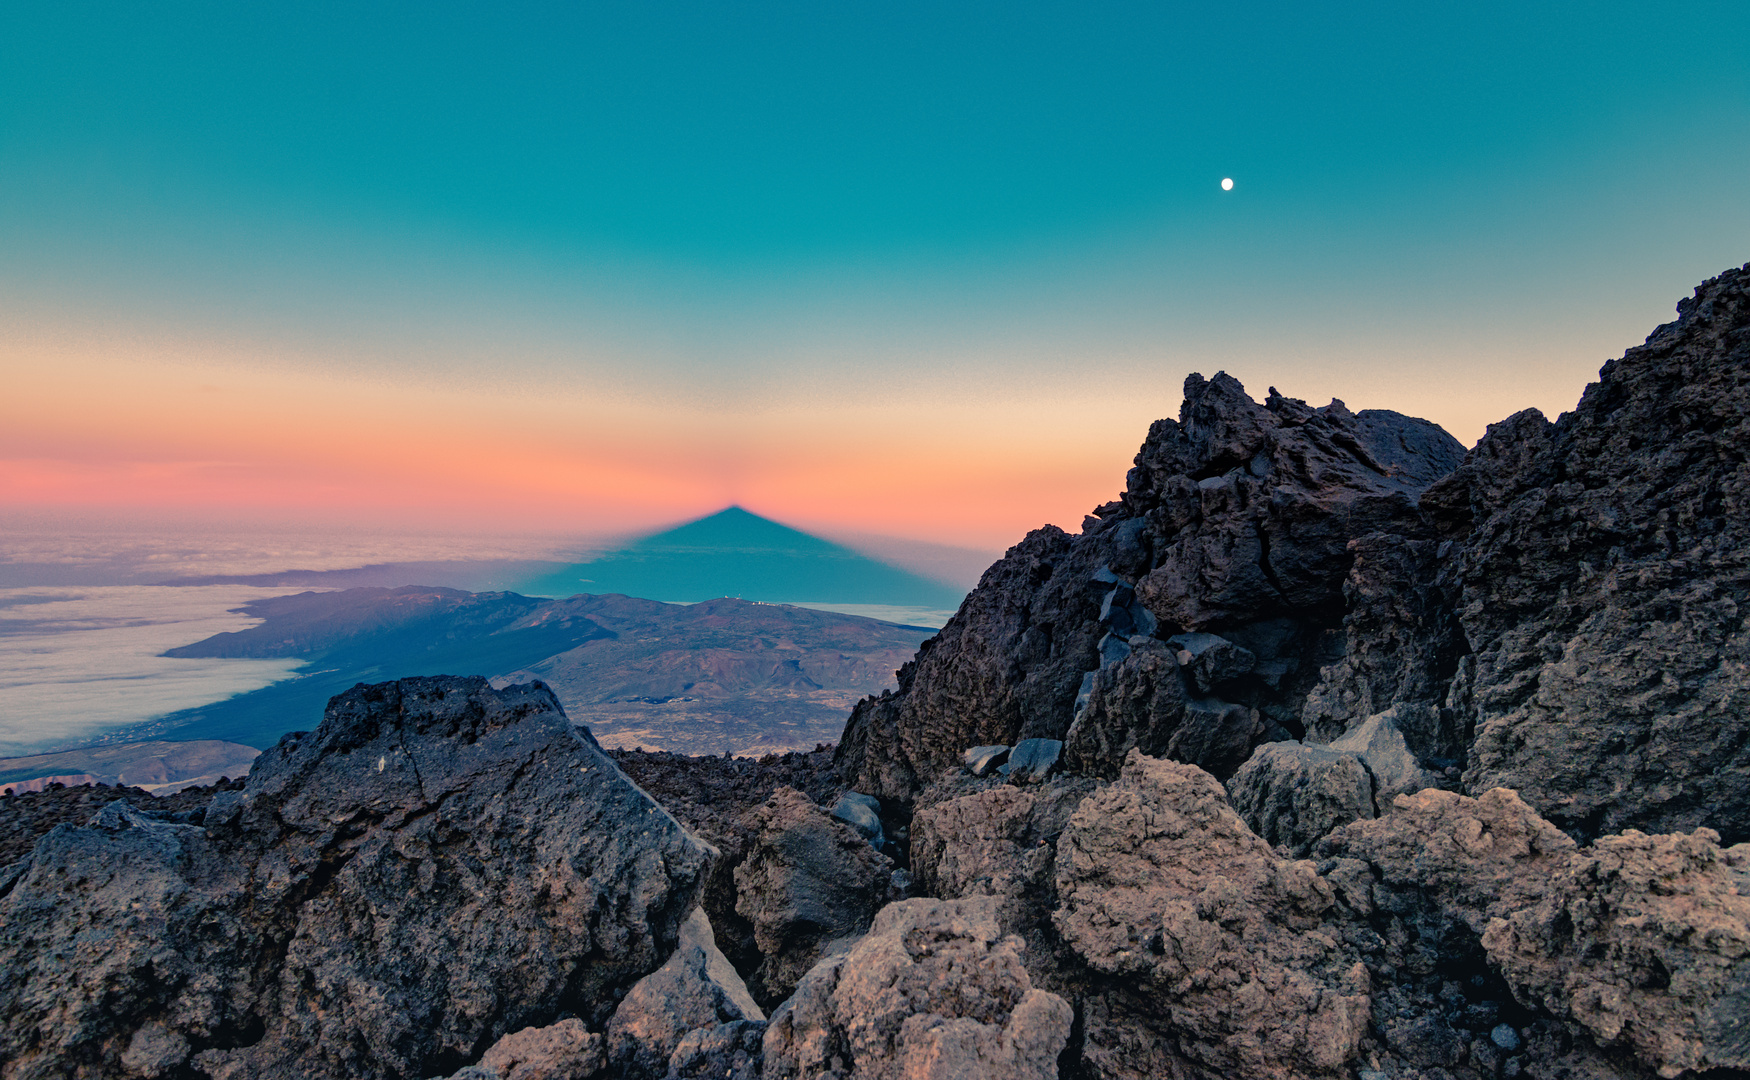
<point x="735" y="553"/>
<point x="724" y="675"/>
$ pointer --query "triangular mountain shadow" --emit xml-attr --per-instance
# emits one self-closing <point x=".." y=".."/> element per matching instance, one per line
<point x="737" y="553"/>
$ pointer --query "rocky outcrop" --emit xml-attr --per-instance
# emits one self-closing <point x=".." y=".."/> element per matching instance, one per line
<point x="1232" y="536"/>
<point x="934" y="990"/>
<point x="438" y="865"/>
<point x="1560" y="612"/>
<point x="1605" y="569"/>
<point x="807" y="880"/>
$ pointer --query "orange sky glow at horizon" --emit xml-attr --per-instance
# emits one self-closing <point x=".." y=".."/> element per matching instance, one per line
<point x="202" y="433"/>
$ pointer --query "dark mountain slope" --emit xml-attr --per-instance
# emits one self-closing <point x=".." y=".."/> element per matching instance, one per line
<point x="735" y="553"/>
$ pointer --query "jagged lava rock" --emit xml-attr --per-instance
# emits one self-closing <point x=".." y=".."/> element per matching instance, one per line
<point x="563" y="1051"/>
<point x="936" y="990"/>
<point x="1002" y="843"/>
<point x="436" y="866"/>
<point x="1646" y="941"/>
<point x="807" y="880"/>
<point x="1235" y="522"/>
<point x="1605" y="569"/>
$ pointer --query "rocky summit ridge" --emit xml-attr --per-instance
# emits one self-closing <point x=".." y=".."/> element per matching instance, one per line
<point x="1327" y="750"/>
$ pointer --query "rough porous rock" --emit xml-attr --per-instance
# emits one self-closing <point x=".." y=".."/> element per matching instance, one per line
<point x="935" y="990"/>
<point x="1235" y="523"/>
<point x="1645" y="940"/>
<point x="1578" y="630"/>
<point x="1292" y="795"/>
<point x="806" y="880"/>
<point x="437" y="865"/>
<point x="732" y="1051"/>
<point x="695" y="990"/>
<point x="1211" y="954"/>
<point x="1136" y="704"/>
<point x="712" y="796"/>
<point x="1002" y="843"/>
<point x="1627" y="955"/>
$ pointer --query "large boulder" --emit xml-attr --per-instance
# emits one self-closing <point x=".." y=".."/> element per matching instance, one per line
<point x="1455" y="937"/>
<point x="1211" y="955"/>
<point x="935" y="991"/>
<point x="1645" y="940"/>
<point x="807" y="880"/>
<point x="1292" y="795"/>
<point x="1002" y="843"/>
<point x="438" y="865"/>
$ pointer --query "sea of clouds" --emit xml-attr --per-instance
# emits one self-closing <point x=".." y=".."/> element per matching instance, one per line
<point x="80" y="662"/>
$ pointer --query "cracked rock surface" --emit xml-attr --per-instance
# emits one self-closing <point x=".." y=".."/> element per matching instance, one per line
<point x="436" y="866"/>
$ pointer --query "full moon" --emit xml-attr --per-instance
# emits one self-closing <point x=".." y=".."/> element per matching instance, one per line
<point x="1227" y="184"/>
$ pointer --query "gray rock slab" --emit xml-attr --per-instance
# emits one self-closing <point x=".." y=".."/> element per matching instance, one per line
<point x="1033" y="760"/>
<point x="1381" y="747"/>
<point x="862" y="813"/>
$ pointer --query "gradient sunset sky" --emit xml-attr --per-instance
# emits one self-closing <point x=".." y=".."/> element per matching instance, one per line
<point x="926" y="270"/>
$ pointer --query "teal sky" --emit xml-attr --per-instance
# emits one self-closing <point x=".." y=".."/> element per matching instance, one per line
<point x="734" y="211"/>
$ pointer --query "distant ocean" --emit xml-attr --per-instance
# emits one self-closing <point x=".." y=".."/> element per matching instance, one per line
<point x="85" y="616"/>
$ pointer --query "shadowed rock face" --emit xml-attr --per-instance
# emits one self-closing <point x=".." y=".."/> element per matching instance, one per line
<point x="437" y="865"/>
<point x="1235" y="523"/>
<point x="1605" y="571"/>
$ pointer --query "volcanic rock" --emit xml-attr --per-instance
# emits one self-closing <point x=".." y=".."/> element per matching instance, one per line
<point x="806" y="880"/>
<point x="1003" y="843"/>
<point x="1235" y="524"/>
<point x="1293" y="795"/>
<point x="695" y="990"/>
<point x="1605" y="573"/>
<point x="1033" y="760"/>
<point x="563" y="1051"/>
<point x="1382" y="748"/>
<point x="1210" y="947"/>
<point x="982" y="760"/>
<point x="862" y="813"/>
<point x="436" y="866"/>
<point x="934" y="990"/>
